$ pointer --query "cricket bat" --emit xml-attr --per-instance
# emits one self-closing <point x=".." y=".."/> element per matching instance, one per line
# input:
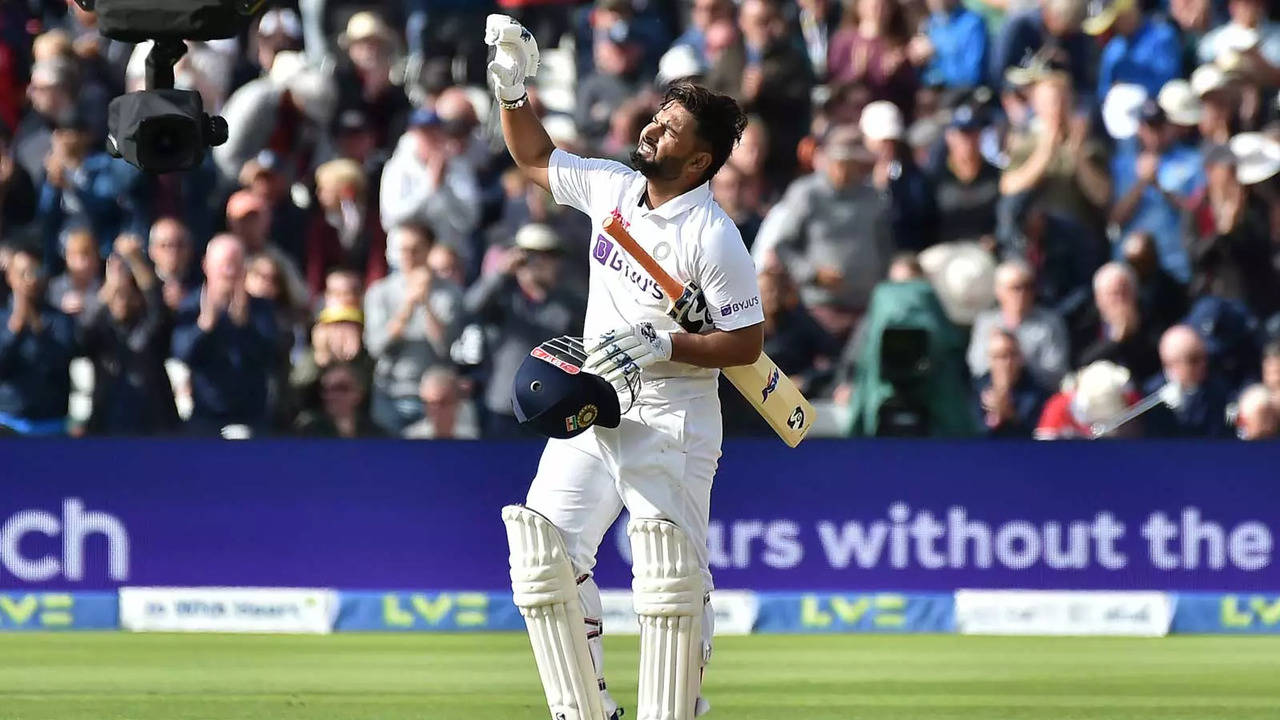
<point x="767" y="388"/>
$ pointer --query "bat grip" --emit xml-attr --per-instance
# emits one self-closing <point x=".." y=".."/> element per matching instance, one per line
<point x="672" y="287"/>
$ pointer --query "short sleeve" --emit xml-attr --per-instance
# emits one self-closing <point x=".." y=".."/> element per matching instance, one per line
<point x="588" y="184"/>
<point x="728" y="278"/>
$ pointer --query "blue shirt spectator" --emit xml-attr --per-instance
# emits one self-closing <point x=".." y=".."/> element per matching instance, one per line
<point x="37" y="344"/>
<point x="959" y="39"/>
<point x="1054" y="30"/>
<point x="1153" y="179"/>
<point x="228" y="340"/>
<point x="1142" y="51"/>
<point x="97" y="191"/>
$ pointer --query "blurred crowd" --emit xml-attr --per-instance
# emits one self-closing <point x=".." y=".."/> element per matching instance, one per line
<point x="1005" y="218"/>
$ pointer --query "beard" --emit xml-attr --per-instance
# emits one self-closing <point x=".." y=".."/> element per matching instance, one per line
<point x="653" y="168"/>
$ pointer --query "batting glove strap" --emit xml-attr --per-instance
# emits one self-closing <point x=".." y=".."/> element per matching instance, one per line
<point x="690" y="310"/>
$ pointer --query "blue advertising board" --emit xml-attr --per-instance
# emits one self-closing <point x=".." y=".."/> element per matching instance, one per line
<point x="46" y="611"/>
<point x="834" y="516"/>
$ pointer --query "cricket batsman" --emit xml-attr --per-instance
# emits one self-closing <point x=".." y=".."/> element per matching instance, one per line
<point x="656" y="454"/>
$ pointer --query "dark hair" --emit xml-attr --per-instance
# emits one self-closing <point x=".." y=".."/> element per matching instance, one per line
<point x="1271" y="349"/>
<point x="720" y="121"/>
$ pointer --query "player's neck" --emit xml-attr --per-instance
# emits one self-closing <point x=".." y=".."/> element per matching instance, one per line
<point x="657" y="193"/>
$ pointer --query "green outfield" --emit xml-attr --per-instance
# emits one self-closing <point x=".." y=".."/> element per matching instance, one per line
<point x="91" y="676"/>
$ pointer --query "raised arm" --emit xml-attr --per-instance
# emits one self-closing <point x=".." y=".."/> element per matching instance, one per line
<point x="516" y="58"/>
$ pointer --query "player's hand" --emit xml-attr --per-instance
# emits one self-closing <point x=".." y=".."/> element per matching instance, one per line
<point x="515" y="56"/>
<point x="690" y="310"/>
<point x="625" y="351"/>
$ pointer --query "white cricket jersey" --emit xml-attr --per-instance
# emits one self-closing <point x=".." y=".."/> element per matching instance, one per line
<point x="690" y="236"/>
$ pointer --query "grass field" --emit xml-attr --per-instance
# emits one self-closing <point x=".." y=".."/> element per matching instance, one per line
<point x="89" y="676"/>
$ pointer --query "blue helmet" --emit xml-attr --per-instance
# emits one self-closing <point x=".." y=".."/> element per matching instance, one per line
<point x="553" y="396"/>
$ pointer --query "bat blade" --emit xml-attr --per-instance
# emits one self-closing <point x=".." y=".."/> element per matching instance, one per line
<point x="775" y="397"/>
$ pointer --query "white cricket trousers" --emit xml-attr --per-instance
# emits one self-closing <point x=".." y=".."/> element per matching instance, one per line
<point x="658" y="463"/>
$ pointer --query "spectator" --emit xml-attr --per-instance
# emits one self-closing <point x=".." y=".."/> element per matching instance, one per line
<point x="363" y="76"/>
<point x="52" y="97"/>
<point x="1194" y="18"/>
<point x="1271" y="366"/>
<point x="1123" y="335"/>
<point x="1201" y="398"/>
<point x="286" y="112"/>
<point x="1063" y="254"/>
<point x="1055" y="160"/>
<point x="770" y="76"/>
<point x="952" y="49"/>
<point x="1161" y="299"/>
<point x="343" y="408"/>
<point x="88" y="189"/>
<point x="968" y="186"/>
<point x="342" y="289"/>
<point x="1153" y="182"/>
<point x="227" y="339"/>
<point x="126" y="337"/>
<point x="449" y="414"/>
<point x="249" y="218"/>
<point x="1041" y="334"/>
<point x="748" y="157"/>
<point x="37" y="343"/>
<point x="1219" y="101"/>
<point x="462" y="125"/>
<point x="169" y="248"/>
<point x="411" y="319"/>
<point x="1229" y="331"/>
<point x="337" y="337"/>
<point x="428" y="181"/>
<point x="278" y="30"/>
<point x="702" y="15"/>
<point x="728" y="188"/>
<point x="870" y="51"/>
<point x="1258" y="414"/>
<point x="1090" y="399"/>
<point x="793" y="339"/>
<point x="818" y="20"/>
<point x="832" y="231"/>
<point x="1226" y="43"/>
<point x="521" y="305"/>
<point x="345" y="230"/>
<point x="76" y="291"/>
<point x="616" y="77"/>
<point x="1009" y="401"/>
<point x="1230" y="241"/>
<point x="1050" y="30"/>
<point x="1141" y="49"/>
<point x="263" y="176"/>
<point x="914" y="209"/>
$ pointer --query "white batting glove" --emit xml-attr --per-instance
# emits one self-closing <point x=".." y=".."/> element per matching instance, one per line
<point x="515" y="56"/>
<point x="619" y="353"/>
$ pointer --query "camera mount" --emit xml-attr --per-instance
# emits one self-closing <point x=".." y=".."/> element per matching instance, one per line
<point x="164" y="55"/>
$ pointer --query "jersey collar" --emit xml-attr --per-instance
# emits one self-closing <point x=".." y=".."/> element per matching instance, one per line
<point x="673" y="207"/>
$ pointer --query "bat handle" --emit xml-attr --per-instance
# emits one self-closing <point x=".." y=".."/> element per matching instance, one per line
<point x="614" y="229"/>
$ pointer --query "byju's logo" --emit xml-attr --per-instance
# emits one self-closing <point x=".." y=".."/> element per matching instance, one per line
<point x="602" y="250"/>
<point x="735" y="306"/>
<point x="75" y="526"/>
<point x="770" y="386"/>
